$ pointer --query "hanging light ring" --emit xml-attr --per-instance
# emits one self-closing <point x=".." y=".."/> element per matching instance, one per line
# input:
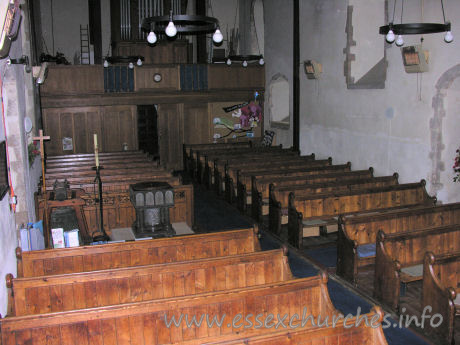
<point x="415" y="28"/>
<point x="184" y="23"/>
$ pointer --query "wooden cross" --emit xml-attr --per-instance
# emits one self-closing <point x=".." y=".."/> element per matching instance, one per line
<point x="42" y="138"/>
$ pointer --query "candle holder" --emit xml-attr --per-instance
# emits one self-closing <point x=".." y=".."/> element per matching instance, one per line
<point x="100" y="235"/>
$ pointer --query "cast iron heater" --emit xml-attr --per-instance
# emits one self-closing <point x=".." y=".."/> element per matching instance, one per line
<point x="152" y="201"/>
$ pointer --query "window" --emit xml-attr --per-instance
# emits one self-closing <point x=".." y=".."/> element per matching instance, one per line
<point x="279" y="101"/>
<point x="4" y="186"/>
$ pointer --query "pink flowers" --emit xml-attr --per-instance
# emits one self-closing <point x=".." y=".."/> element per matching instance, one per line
<point x="456" y="166"/>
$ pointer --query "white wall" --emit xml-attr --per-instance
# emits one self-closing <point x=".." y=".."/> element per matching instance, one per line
<point x="63" y="18"/>
<point x="278" y="57"/>
<point x="388" y="129"/>
<point x="18" y="101"/>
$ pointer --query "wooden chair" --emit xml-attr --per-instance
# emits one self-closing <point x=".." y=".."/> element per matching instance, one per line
<point x="358" y="233"/>
<point x="441" y="291"/>
<point x="46" y="294"/>
<point x="147" y="322"/>
<point x="279" y="197"/>
<point x="324" y="209"/>
<point x="399" y="258"/>
<point x="259" y="195"/>
<point x="137" y="253"/>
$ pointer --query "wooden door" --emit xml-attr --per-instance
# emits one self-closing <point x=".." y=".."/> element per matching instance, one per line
<point x="119" y="128"/>
<point x="147" y="127"/>
<point x="197" y="124"/>
<point x="171" y="135"/>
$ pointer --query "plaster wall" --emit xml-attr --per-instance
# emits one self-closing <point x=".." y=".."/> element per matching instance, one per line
<point x="18" y="101"/>
<point x="226" y="11"/>
<point x="63" y="18"/>
<point x="388" y="129"/>
<point x="278" y="59"/>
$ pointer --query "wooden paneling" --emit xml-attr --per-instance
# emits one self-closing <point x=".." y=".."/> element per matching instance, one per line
<point x="114" y="125"/>
<point x="221" y="76"/>
<point x="171" y="135"/>
<point x="196" y="124"/>
<point x="73" y="79"/>
<point x="161" y="52"/>
<point x="144" y="78"/>
<point x="76" y="123"/>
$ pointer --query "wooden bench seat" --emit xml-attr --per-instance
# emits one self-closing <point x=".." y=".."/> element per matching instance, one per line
<point x="205" y="160"/>
<point x="259" y="195"/>
<point x="356" y="231"/>
<point x="441" y="291"/>
<point x="90" y="161"/>
<point x="145" y="322"/>
<point x="136" y="253"/>
<point x="39" y="295"/>
<point x="300" y="172"/>
<point x="120" y="171"/>
<point x="407" y="249"/>
<point x="215" y="166"/>
<point x="327" y="206"/>
<point x="202" y="156"/>
<point x="235" y="178"/>
<point x="279" y="197"/>
<point x="189" y="152"/>
<point x="101" y="155"/>
<point x="124" y="165"/>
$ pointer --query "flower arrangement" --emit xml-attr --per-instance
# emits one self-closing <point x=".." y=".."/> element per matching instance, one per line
<point x="33" y="152"/>
<point x="456" y="166"/>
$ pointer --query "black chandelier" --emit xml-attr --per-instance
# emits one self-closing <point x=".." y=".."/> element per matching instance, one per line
<point x="391" y="30"/>
<point x="181" y="23"/>
<point x="245" y="59"/>
<point x="130" y="60"/>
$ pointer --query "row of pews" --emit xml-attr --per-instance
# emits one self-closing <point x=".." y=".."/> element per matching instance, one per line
<point x="119" y="170"/>
<point x="129" y="293"/>
<point x="395" y="229"/>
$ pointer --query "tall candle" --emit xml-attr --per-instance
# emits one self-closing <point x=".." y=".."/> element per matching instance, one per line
<point x="96" y="150"/>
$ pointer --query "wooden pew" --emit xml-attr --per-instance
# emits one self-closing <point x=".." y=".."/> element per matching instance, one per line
<point x="358" y="233"/>
<point x="198" y="157"/>
<point x="237" y="176"/>
<point x="214" y="165"/>
<point x="399" y="258"/>
<point x="326" y="207"/>
<point x="146" y="322"/>
<point x="137" y="253"/>
<point x="279" y="197"/>
<point x="109" y="172"/>
<point x="118" y="209"/>
<point x="39" y="295"/>
<point x="441" y="288"/>
<point x="189" y="149"/>
<point x="289" y="173"/>
<point x="260" y="186"/>
<point x="237" y="156"/>
<point x="102" y="155"/>
<point x="126" y="164"/>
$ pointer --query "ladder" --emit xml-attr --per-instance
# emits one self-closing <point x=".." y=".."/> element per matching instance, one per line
<point x="84" y="45"/>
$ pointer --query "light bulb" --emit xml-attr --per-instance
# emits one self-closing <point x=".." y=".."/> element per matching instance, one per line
<point x="390" y="37"/>
<point x="229" y="62"/>
<point x="217" y="37"/>
<point x="399" y="41"/>
<point x="261" y="61"/>
<point x="151" y="38"/>
<point x="245" y="64"/>
<point x="106" y="63"/>
<point x="139" y="62"/>
<point x="171" y="30"/>
<point x="448" y="37"/>
<point x="131" y="65"/>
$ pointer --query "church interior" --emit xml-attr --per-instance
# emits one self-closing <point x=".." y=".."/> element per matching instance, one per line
<point x="230" y="172"/>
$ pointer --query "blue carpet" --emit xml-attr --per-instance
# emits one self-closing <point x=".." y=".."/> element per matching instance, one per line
<point x="213" y="214"/>
<point x="326" y="256"/>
